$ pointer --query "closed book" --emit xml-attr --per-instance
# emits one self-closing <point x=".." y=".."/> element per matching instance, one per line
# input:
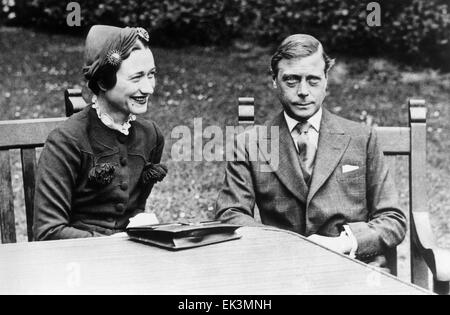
<point x="177" y="236"/>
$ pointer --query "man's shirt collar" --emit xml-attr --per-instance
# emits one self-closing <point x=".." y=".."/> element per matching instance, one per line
<point x="314" y="120"/>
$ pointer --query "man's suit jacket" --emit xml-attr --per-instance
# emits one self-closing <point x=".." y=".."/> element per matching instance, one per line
<point x="364" y="198"/>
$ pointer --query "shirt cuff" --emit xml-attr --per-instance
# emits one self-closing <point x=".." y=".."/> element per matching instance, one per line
<point x="353" y="240"/>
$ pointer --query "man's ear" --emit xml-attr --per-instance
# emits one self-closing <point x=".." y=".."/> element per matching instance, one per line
<point x="274" y="82"/>
<point x="331" y="64"/>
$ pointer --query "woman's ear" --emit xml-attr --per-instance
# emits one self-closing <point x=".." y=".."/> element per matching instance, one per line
<point x="101" y="86"/>
<point x="274" y="82"/>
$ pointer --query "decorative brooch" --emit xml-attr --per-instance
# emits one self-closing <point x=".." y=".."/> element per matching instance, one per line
<point x="101" y="174"/>
<point x="154" y="173"/>
<point x="114" y="58"/>
<point x="142" y="33"/>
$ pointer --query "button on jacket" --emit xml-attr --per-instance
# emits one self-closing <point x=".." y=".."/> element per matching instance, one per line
<point x="73" y="201"/>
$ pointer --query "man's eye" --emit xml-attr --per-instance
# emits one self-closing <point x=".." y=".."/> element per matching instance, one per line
<point x="314" y="81"/>
<point x="291" y="82"/>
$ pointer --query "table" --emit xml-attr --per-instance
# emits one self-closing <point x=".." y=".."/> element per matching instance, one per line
<point x="264" y="261"/>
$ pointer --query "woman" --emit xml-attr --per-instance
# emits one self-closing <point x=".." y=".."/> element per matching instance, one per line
<point x="98" y="168"/>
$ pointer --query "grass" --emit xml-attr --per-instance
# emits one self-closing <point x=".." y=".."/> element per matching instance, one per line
<point x="196" y="82"/>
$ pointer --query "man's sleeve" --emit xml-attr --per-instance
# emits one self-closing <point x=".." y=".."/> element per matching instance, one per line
<point x="386" y="227"/>
<point x="236" y="200"/>
<point x="56" y="176"/>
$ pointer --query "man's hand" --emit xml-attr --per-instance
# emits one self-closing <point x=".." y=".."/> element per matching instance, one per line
<point x="120" y="234"/>
<point x="341" y="244"/>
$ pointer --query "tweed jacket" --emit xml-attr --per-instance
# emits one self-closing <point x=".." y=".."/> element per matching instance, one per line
<point x="69" y="201"/>
<point x="364" y="197"/>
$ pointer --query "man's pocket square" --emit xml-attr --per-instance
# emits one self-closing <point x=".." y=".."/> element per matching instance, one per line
<point x="349" y="168"/>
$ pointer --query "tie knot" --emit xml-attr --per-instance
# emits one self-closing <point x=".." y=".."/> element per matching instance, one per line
<point x="303" y="127"/>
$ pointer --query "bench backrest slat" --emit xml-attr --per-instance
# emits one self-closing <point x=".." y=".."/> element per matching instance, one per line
<point x="394" y="140"/>
<point x="7" y="218"/>
<point x="28" y="157"/>
<point x="391" y="255"/>
<point x="17" y="134"/>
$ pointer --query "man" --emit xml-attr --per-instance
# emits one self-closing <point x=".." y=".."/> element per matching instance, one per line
<point x="331" y="183"/>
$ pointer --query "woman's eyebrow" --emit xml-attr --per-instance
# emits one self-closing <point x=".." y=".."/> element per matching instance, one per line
<point x="139" y="73"/>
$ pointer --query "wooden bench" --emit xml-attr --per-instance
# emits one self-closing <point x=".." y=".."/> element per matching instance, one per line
<point x="404" y="141"/>
<point x="25" y="135"/>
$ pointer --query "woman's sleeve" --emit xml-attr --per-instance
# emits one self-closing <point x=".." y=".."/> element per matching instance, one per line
<point x="158" y="150"/>
<point x="58" y="168"/>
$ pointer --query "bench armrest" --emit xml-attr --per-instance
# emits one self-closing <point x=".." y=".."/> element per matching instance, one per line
<point x="424" y="250"/>
<point x="437" y="259"/>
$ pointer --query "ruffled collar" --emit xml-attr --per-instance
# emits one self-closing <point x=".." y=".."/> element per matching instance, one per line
<point x="109" y="122"/>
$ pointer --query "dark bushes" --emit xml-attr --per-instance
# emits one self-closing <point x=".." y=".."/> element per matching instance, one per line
<point x="418" y="30"/>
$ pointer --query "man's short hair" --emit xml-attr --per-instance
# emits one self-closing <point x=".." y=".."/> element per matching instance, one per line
<point x="299" y="46"/>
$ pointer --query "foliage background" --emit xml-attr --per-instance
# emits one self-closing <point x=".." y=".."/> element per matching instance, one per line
<point x="417" y="31"/>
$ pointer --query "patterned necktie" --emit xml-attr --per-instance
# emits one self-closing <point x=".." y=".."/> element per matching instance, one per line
<point x="306" y="150"/>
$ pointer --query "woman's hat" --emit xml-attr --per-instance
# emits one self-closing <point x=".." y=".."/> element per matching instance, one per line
<point x="106" y="45"/>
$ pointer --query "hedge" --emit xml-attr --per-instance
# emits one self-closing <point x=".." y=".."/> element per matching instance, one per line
<point x="418" y="30"/>
<point x="6" y="10"/>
